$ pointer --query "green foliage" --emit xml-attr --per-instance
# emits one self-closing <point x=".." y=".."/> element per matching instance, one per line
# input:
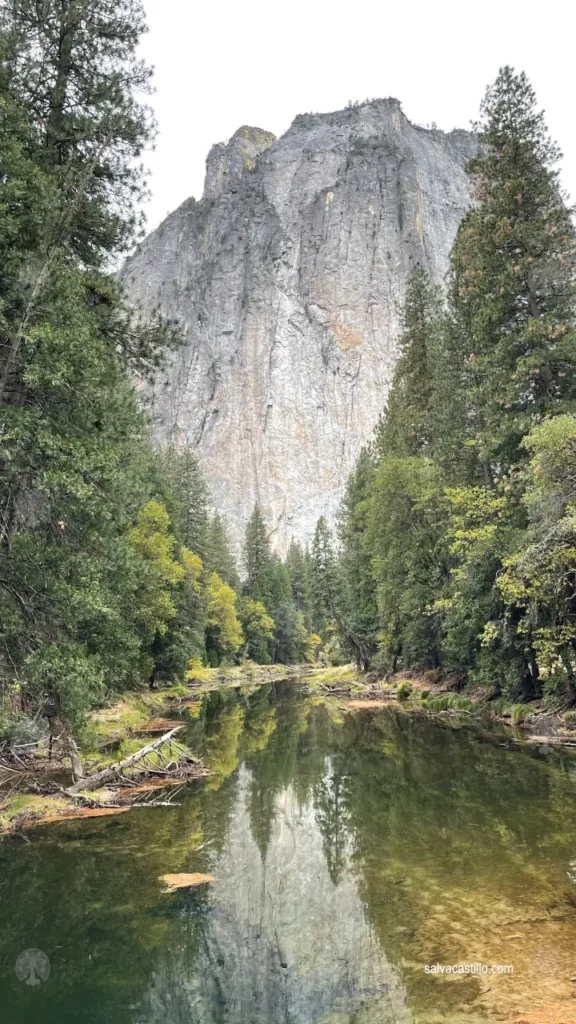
<point x="284" y="590"/>
<point x="410" y="558"/>
<point x="407" y="427"/>
<point x="186" y="497"/>
<point x="219" y="557"/>
<point x="88" y="571"/>
<point x="464" y="531"/>
<point x="298" y="566"/>
<point x="324" y="577"/>
<point x="357" y="603"/>
<point x="404" y="691"/>
<point x="224" y="636"/>
<point x="258" y="628"/>
<point x="257" y="559"/>
<point x="519" y="713"/>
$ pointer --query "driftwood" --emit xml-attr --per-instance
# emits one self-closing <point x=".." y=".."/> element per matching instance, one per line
<point x="111" y="773"/>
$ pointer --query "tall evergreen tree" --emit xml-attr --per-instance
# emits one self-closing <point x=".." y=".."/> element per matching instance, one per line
<point x="257" y="560"/>
<point x="513" y="281"/>
<point x="187" y="499"/>
<point x="219" y="557"/>
<point x="324" y="577"/>
<point x="357" y="599"/>
<point x="298" y="568"/>
<point x="406" y="429"/>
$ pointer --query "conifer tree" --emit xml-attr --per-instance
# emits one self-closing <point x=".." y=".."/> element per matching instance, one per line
<point x="324" y="577"/>
<point x="513" y="281"/>
<point x="406" y="428"/>
<point x="75" y="464"/>
<point x="257" y="560"/>
<point x="357" y="597"/>
<point x="219" y="557"/>
<point x="187" y="499"/>
<point x="298" y="568"/>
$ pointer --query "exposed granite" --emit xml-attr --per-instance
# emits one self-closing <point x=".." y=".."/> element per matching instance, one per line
<point x="286" y="278"/>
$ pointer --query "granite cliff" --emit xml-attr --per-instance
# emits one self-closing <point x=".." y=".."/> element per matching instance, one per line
<point x="286" y="279"/>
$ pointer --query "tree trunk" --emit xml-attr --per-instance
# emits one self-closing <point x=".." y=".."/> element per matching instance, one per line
<point x="77" y="771"/>
<point x="108" y="774"/>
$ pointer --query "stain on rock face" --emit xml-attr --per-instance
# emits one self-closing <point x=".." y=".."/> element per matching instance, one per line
<point x="287" y="278"/>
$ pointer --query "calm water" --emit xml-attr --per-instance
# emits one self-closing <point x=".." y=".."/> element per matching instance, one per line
<point x="349" y="851"/>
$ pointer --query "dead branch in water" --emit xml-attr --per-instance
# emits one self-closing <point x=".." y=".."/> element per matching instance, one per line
<point x="100" y="778"/>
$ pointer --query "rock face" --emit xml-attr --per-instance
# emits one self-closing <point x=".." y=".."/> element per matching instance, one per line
<point x="286" y="278"/>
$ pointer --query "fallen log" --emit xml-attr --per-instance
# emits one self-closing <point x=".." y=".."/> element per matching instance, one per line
<point x="108" y="774"/>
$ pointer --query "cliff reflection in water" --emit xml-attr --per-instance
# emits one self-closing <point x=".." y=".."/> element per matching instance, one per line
<point x="280" y="940"/>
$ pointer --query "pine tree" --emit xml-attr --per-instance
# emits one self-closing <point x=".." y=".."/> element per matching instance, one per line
<point x="257" y="560"/>
<point x="298" y="568"/>
<point x="357" y="597"/>
<point x="219" y="558"/>
<point x="187" y="497"/>
<point x="324" y="577"/>
<point x="406" y="428"/>
<point x="513" y="281"/>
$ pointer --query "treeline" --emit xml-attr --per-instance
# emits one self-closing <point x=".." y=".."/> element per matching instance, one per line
<point x="107" y="558"/>
<point x="112" y="571"/>
<point x="458" y="527"/>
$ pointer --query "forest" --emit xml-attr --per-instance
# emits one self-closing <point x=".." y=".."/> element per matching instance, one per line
<point x="457" y="528"/>
<point x="455" y="547"/>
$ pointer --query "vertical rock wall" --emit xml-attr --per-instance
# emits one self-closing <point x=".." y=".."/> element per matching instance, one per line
<point x="286" y="278"/>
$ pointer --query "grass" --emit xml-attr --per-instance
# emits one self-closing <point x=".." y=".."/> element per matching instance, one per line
<point x="334" y="674"/>
<point x="520" y="712"/>
<point x="27" y="807"/>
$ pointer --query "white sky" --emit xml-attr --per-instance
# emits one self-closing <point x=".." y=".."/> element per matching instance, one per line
<point x="221" y="64"/>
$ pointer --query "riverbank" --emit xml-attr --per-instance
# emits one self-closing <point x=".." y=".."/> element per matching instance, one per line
<point x="35" y="784"/>
<point x="532" y="723"/>
<point x="34" y="788"/>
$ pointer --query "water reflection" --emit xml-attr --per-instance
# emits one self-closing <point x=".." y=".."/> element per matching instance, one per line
<point x="281" y="941"/>
<point x="349" y="851"/>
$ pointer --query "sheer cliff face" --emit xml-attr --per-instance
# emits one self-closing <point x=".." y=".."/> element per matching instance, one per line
<point x="286" y="278"/>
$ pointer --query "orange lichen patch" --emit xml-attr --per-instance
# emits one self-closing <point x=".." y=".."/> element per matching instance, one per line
<point x="159" y="725"/>
<point x="87" y="812"/>
<point x="347" y="336"/>
<point x="183" y="881"/>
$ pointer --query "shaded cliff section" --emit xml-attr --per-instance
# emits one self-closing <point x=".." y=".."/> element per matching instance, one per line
<point x="286" y="278"/>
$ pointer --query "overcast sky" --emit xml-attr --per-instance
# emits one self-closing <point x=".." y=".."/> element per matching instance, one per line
<point x="223" y="64"/>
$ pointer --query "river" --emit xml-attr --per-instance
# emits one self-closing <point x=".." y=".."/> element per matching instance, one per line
<point x="350" y="851"/>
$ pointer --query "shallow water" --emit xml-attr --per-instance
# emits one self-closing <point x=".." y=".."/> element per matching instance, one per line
<point x="349" y="852"/>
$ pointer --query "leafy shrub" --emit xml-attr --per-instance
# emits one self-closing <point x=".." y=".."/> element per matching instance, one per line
<point x="403" y="691"/>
